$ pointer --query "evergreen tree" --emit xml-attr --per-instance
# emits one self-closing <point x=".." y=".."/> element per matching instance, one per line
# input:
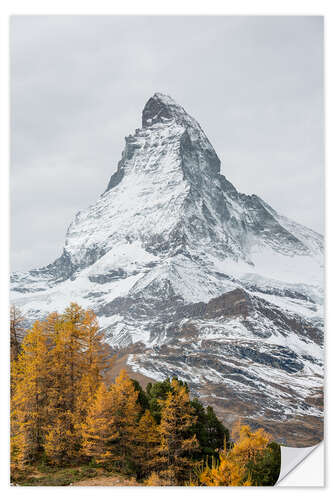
<point x="158" y="392"/>
<point x="17" y="330"/>
<point x="142" y="397"/>
<point x="211" y="433"/>
<point x="265" y="469"/>
<point x="217" y="434"/>
<point x="155" y="393"/>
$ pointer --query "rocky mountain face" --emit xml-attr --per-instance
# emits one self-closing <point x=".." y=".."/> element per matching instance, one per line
<point x="191" y="278"/>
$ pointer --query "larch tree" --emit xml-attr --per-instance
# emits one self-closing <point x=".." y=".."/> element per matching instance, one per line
<point x="147" y="442"/>
<point x="78" y="361"/>
<point x="177" y="446"/>
<point x="60" y="440"/>
<point x="126" y="412"/>
<point x="29" y="402"/>
<point x="95" y="361"/>
<point x="110" y="427"/>
<point x="250" y="445"/>
<point x="73" y="331"/>
<point x="236" y="465"/>
<point x="99" y="431"/>
<point x="223" y="472"/>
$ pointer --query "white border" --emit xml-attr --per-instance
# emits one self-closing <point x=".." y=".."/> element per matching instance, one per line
<point x="173" y="7"/>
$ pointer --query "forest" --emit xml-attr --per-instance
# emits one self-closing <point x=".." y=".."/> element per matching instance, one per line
<point x="68" y="422"/>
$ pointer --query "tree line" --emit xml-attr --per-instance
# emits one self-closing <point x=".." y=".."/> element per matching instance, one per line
<point x="63" y="413"/>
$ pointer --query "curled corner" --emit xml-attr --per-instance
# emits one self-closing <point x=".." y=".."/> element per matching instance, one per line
<point x="291" y="458"/>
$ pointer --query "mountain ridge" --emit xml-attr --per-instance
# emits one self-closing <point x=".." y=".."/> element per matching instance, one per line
<point x="170" y="232"/>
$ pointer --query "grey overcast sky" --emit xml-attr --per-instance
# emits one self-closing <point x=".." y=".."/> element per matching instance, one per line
<point x="79" y="84"/>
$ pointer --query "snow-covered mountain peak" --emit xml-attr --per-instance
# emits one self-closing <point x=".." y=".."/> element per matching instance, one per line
<point x="169" y="139"/>
<point x="161" y="111"/>
<point x="161" y="108"/>
<point x="169" y="197"/>
<point x="213" y="284"/>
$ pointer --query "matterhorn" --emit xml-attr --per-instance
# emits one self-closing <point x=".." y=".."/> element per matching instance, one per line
<point x="191" y="278"/>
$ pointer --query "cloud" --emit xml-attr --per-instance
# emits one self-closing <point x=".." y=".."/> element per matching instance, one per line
<point x="78" y="86"/>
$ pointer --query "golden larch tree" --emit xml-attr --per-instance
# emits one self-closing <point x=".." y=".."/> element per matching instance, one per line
<point x="126" y="411"/>
<point x="96" y="361"/>
<point x="78" y="361"/>
<point x="232" y="467"/>
<point x="110" y="427"/>
<point x="61" y="443"/>
<point x="177" y="446"/>
<point x="147" y="442"/>
<point x="99" y="431"/>
<point x="223" y="472"/>
<point x="250" y="445"/>
<point x="29" y="402"/>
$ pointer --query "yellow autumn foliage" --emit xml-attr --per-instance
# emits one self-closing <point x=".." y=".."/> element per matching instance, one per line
<point x="62" y="412"/>
<point x="231" y="468"/>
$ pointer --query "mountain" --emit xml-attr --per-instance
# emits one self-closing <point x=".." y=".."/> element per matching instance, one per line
<point x="189" y="277"/>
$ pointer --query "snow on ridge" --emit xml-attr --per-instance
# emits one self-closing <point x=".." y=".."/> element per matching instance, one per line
<point x="171" y="232"/>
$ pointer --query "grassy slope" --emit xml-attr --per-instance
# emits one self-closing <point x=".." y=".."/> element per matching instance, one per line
<point x="74" y="476"/>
